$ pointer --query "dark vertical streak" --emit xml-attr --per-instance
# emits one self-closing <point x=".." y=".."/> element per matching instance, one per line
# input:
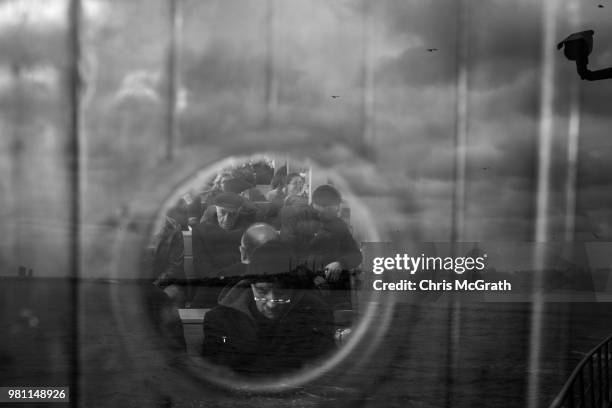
<point x="363" y="76"/>
<point x="171" y="130"/>
<point x="73" y="153"/>
<point x="459" y="182"/>
<point x="17" y="147"/>
<point x="269" y="67"/>
<point x="368" y="144"/>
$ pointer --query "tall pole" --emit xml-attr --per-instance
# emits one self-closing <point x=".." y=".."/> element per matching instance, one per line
<point x="74" y="174"/>
<point x="367" y="78"/>
<point x="172" y="72"/>
<point x="271" y="90"/>
<point x="16" y="160"/>
<point x="459" y="184"/>
<point x="16" y="156"/>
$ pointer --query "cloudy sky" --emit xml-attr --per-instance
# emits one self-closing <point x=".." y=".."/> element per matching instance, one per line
<point x="399" y="99"/>
<point x="257" y="76"/>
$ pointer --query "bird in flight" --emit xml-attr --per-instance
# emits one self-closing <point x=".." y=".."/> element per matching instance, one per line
<point x="335" y="96"/>
<point x="600" y="6"/>
<point x="432" y="49"/>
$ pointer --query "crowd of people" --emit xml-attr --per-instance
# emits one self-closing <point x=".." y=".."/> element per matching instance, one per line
<point x="271" y="266"/>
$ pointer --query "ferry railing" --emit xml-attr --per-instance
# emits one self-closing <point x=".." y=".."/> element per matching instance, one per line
<point x="590" y="384"/>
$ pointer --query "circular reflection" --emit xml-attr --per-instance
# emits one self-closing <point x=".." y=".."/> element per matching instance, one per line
<point x="368" y="312"/>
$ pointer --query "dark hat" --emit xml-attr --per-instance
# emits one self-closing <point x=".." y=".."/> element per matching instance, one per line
<point x="179" y="212"/>
<point x="326" y="195"/>
<point x="236" y="185"/>
<point x="228" y="200"/>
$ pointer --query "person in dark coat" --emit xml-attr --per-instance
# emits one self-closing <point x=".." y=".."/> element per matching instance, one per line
<point x="288" y="191"/>
<point x="318" y="237"/>
<point x="216" y="241"/>
<point x="268" y="324"/>
<point x="168" y="257"/>
<point x="168" y="295"/>
<point x="339" y="251"/>
<point x="225" y="182"/>
<point x="254" y="237"/>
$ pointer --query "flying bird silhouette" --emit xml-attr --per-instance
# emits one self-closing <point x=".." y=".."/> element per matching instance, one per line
<point x="600" y="6"/>
<point x="432" y="49"/>
<point x="335" y="96"/>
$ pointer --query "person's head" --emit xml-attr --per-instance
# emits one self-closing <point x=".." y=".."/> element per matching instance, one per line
<point x="228" y="207"/>
<point x="272" y="298"/>
<point x="299" y="225"/>
<point x="254" y="237"/>
<point x="220" y="179"/>
<point x="326" y="199"/>
<point x="235" y="185"/>
<point x="278" y="180"/>
<point x="178" y="213"/>
<point x="294" y="184"/>
<point x="272" y="284"/>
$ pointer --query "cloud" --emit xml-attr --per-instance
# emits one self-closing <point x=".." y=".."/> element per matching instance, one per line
<point x="415" y="67"/>
<point x="503" y="40"/>
<point x="233" y="57"/>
